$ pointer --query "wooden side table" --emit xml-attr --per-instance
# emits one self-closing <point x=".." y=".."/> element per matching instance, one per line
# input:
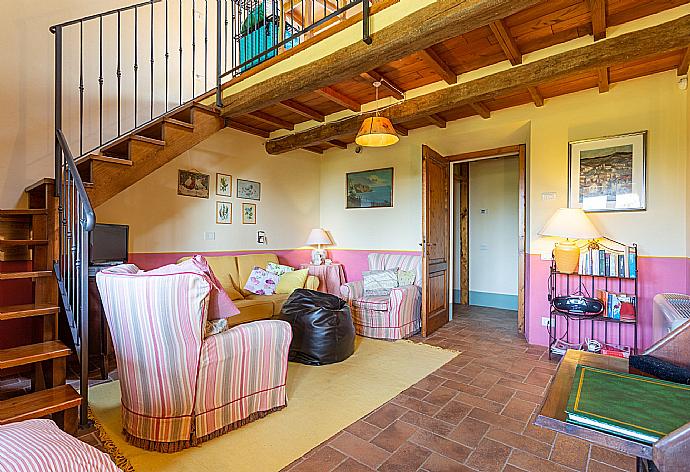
<point x="331" y="276"/>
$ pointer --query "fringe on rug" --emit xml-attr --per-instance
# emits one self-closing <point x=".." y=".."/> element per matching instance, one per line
<point x="110" y="448"/>
<point x="177" y="446"/>
<point x="409" y="341"/>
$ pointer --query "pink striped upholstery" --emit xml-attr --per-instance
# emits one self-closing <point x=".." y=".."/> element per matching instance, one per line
<point x="394" y="317"/>
<point x="179" y="389"/>
<point x="39" y="445"/>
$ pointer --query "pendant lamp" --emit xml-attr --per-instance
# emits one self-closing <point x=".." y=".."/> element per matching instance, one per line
<point x="377" y="131"/>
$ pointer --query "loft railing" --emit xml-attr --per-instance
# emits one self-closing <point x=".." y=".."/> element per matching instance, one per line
<point x="118" y="71"/>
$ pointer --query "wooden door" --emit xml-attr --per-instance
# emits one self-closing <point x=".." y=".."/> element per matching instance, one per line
<point x="436" y="240"/>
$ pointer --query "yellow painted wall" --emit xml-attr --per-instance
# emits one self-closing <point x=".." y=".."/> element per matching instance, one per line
<point x="162" y="221"/>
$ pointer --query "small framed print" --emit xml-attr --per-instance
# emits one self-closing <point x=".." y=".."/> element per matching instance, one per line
<point x="224" y="185"/>
<point x="192" y="184"/>
<point x="249" y="213"/>
<point x="248" y="190"/>
<point x="608" y="174"/>
<point x="223" y="213"/>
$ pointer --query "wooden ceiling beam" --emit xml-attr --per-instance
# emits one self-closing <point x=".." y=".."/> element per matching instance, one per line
<point x="598" y="10"/>
<point x="341" y="99"/>
<point x="400" y="129"/>
<point x="481" y="110"/>
<point x="507" y="42"/>
<point x="432" y="24"/>
<point x="435" y="119"/>
<point x="296" y="107"/>
<point x="603" y="79"/>
<point x="337" y="143"/>
<point x="667" y="37"/>
<point x="438" y="65"/>
<point x="537" y="97"/>
<point x="272" y="120"/>
<point x="247" y="129"/>
<point x="314" y="149"/>
<point x="373" y="76"/>
<point x="684" y="63"/>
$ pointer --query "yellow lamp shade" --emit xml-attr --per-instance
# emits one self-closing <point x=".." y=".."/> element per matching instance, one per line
<point x="377" y="131"/>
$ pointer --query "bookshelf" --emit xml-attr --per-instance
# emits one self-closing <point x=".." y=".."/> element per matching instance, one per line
<point x="597" y="279"/>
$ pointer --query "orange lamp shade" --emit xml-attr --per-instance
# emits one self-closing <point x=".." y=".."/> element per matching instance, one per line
<point x="376" y="131"/>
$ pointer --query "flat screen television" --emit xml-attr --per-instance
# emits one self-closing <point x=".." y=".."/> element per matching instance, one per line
<point x="108" y="244"/>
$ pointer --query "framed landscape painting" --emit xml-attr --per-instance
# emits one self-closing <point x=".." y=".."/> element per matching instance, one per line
<point x="223" y="213"/>
<point x="370" y="188"/>
<point x="608" y="174"/>
<point x="248" y="189"/>
<point x="192" y="184"/>
<point x="224" y="185"/>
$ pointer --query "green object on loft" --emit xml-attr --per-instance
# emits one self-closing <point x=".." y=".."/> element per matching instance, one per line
<point x="253" y="20"/>
<point x="632" y="406"/>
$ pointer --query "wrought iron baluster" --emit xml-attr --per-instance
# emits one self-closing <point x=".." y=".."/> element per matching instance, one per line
<point x="180" y="49"/>
<point x="167" y="55"/>
<point x="100" y="80"/>
<point x="227" y="40"/>
<point x="152" y="60"/>
<point x="58" y="105"/>
<point x="193" y="50"/>
<point x="136" y="64"/>
<point x="219" y="52"/>
<point x="81" y="87"/>
<point x="119" y="75"/>
<point x="205" y="45"/>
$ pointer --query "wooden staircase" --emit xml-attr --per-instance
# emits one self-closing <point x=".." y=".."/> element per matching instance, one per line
<point x="46" y="356"/>
<point x="136" y="155"/>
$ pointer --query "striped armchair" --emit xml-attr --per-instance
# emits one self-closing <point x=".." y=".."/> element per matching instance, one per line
<point x="395" y="316"/>
<point x="178" y="388"/>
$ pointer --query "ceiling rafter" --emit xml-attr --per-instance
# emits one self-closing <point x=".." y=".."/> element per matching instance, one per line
<point x="437" y="120"/>
<point x="314" y="149"/>
<point x="603" y="79"/>
<point x="598" y="11"/>
<point x="440" y="67"/>
<point x="271" y="120"/>
<point x="337" y="143"/>
<point x="374" y="76"/>
<point x="481" y="110"/>
<point x="507" y="42"/>
<point x="537" y="97"/>
<point x="684" y="63"/>
<point x="303" y="110"/>
<point x="340" y="98"/>
<point x="247" y="129"/>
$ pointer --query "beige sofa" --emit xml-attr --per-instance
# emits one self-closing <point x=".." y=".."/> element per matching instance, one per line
<point x="233" y="273"/>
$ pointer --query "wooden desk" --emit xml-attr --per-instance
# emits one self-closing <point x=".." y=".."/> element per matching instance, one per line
<point x="552" y="415"/>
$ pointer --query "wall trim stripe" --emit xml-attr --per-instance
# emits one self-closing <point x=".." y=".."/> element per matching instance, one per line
<point x="494" y="300"/>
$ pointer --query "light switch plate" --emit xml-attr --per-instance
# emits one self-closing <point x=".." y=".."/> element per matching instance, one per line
<point x="484" y="211"/>
<point x="549" y="196"/>
<point x="209" y="236"/>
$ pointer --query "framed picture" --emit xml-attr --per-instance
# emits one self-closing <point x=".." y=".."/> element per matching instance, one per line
<point x="192" y="184"/>
<point x="608" y="174"/>
<point x="224" y="185"/>
<point x="223" y="213"/>
<point x="370" y="188"/>
<point x="248" y="190"/>
<point x="249" y="213"/>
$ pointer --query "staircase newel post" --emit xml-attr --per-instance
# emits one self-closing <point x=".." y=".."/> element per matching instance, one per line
<point x="84" y="318"/>
<point x="219" y="50"/>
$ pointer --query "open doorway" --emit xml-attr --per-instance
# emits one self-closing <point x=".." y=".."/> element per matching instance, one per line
<point x="489" y="227"/>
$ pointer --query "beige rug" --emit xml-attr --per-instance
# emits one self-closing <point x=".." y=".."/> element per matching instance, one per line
<point x="322" y="401"/>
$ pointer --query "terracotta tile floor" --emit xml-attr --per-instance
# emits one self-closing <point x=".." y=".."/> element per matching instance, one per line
<point x="474" y="413"/>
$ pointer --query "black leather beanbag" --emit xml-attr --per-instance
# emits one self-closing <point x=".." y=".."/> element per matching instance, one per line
<point x="322" y="329"/>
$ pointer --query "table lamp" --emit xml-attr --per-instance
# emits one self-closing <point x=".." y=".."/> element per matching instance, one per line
<point x="569" y="223"/>
<point x="318" y="237"/>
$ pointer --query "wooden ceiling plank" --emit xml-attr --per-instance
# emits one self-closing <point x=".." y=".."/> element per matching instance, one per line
<point x="432" y="24"/>
<point x="271" y="120"/>
<point x="247" y="129"/>
<point x="603" y="79"/>
<point x="438" y="65"/>
<point x="337" y="143"/>
<point x="507" y="42"/>
<point x="648" y="42"/>
<point x="536" y="96"/>
<point x="307" y="112"/>
<point x="481" y="110"/>
<point x="684" y="63"/>
<point x="400" y="129"/>
<point x="598" y="10"/>
<point x="373" y="76"/>
<point x="314" y="149"/>
<point x="339" y="98"/>
<point x="435" y="119"/>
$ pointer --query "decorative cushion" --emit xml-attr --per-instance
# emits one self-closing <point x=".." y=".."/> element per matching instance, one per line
<point x="406" y="277"/>
<point x="41" y="446"/>
<point x="246" y="264"/>
<point x="291" y="281"/>
<point x="261" y="282"/>
<point x="379" y="282"/>
<point x="225" y="268"/>
<point x="381" y="303"/>
<point x="278" y="269"/>
<point x="220" y="305"/>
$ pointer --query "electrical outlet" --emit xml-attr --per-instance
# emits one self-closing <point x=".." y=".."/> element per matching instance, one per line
<point x="484" y="211"/>
<point x="545" y="321"/>
<point x="209" y="236"/>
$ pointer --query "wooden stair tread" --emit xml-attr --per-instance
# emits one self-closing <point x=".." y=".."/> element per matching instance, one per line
<point x="23" y="212"/>
<point x="25" y="275"/>
<point x="22" y="242"/>
<point x="101" y="158"/>
<point x="145" y="139"/>
<point x="24" y="311"/>
<point x="31" y="353"/>
<point x="38" y="404"/>
<point x="180" y="123"/>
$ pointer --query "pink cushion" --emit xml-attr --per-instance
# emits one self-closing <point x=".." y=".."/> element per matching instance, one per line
<point x="261" y="282"/>
<point x="220" y="304"/>
<point x="39" y="445"/>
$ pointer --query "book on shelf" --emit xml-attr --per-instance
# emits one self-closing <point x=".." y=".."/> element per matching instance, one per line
<point x="639" y="408"/>
<point x="608" y="263"/>
<point x="617" y="306"/>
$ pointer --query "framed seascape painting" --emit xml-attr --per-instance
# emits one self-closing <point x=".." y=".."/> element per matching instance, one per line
<point x="248" y="190"/>
<point x="223" y="213"/>
<point x="224" y="185"/>
<point x="370" y="188"/>
<point x="193" y="184"/>
<point x="608" y="174"/>
<point x="249" y="213"/>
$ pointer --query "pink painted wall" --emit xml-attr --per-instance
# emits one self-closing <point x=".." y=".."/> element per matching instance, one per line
<point x="355" y="260"/>
<point x="656" y="275"/>
<point x="148" y="261"/>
